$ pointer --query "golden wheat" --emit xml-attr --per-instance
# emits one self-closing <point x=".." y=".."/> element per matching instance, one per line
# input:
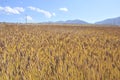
<point x="59" y="52"/>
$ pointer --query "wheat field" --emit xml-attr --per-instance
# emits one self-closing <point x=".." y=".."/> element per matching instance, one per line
<point x="59" y="52"/>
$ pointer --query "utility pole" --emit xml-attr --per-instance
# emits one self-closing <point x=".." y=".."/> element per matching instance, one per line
<point x="26" y="18"/>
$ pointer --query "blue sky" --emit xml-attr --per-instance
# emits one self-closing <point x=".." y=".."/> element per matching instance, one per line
<point x="56" y="10"/>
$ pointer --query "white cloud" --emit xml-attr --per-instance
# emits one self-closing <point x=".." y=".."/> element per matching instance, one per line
<point x="29" y="18"/>
<point x="63" y="9"/>
<point x="1" y="8"/>
<point x="46" y="13"/>
<point x="53" y="14"/>
<point x="20" y="9"/>
<point x="9" y="10"/>
<point x="32" y="8"/>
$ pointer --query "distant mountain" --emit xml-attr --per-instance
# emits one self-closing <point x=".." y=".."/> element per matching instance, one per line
<point x="77" y="21"/>
<point x="112" y="21"/>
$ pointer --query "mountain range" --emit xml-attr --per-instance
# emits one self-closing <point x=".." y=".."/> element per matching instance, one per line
<point x="77" y="21"/>
<point x="111" y="21"/>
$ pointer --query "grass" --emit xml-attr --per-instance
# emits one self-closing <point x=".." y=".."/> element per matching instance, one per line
<point x="59" y="52"/>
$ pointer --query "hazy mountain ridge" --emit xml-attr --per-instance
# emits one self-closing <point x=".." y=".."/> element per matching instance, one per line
<point x="111" y="21"/>
<point x="76" y="21"/>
